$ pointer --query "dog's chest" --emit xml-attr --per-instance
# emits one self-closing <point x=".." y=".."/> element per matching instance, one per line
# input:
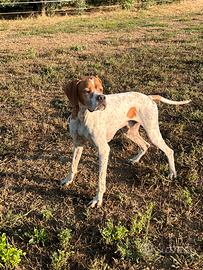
<point x="81" y="130"/>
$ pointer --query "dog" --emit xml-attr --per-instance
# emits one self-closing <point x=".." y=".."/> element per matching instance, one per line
<point x="97" y="117"/>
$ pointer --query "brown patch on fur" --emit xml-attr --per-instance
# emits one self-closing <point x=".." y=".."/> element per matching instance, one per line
<point x="81" y="87"/>
<point x="71" y="91"/>
<point x="92" y="83"/>
<point x="132" y="112"/>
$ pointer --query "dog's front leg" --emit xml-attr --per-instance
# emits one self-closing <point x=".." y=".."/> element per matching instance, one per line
<point x="103" y="161"/>
<point x="77" y="152"/>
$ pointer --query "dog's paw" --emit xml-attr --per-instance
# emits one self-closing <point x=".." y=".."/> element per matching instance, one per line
<point x="134" y="160"/>
<point x="66" y="182"/>
<point x="172" y="175"/>
<point x="95" y="202"/>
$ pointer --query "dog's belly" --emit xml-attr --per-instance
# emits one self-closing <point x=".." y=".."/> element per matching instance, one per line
<point x="111" y="131"/>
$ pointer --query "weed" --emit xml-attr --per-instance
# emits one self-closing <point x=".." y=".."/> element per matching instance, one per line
<point x="49" y="72"/>
<point x="11" y="219"/>
<point x="36" y="80"/>
<point x="128" y="242"/>
<point x="141" y="222"/>
<point x="193" y="176"/>
<point x="60" y="51"/>
<point x="87" y="213"/>
<point x="197" y="116"/>
<point x="38" y="236"/>
<point x="13" y="98"/>
<point x="112" y="233"/>
<point x="122" y="198"/>
<point x="4" y="26"/>
<point x="64" y="238"/>
<point x="59" y="258"/>
<point x="186" y="197"/>
<point x="10" y="256"/>
<point x="128" y="250"/>
<point x="99" y="264"/>
<point x="31" y="53"/>
<point x="77" y="48"/>
<point x="47" y="214"/>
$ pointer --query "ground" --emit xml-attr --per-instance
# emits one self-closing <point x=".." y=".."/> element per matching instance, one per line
<point x="154" y="51"/>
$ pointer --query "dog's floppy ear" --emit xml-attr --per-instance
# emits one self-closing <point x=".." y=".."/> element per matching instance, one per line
<point x="71" y="91"/>
<point x="97" y="77"/>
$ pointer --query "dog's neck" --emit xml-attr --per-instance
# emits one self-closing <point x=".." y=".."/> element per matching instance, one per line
<point x="83" y="114"/>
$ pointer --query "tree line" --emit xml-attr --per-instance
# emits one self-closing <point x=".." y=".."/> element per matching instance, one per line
<point x="49" y="6"/>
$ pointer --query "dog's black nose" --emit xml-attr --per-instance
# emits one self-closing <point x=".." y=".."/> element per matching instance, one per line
<point x="101" y="98"/>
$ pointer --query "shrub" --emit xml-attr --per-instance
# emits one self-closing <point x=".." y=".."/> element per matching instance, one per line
<point x="147" y="3"/>
<point x="80" y="4"/>
<point x="127" y="4"/>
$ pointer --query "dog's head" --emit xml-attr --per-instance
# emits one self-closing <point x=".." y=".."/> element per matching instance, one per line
<point x="86" y="92"/>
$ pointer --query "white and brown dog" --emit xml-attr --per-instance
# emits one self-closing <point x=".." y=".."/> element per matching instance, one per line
<point x="97" y="117"/>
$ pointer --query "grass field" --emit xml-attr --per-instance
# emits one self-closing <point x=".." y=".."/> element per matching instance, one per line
<point x="147" y="220"/>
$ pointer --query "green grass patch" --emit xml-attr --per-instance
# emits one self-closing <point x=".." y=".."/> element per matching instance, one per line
<point x="120" y="23"/>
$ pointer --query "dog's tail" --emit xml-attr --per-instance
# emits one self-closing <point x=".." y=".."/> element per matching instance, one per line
<point x="168" y="101"/>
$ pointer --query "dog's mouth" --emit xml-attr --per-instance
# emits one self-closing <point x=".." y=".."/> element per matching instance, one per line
<point x="100" y="107"/>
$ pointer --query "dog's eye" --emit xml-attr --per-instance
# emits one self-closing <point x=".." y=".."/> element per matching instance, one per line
<point x="87" y="90"/>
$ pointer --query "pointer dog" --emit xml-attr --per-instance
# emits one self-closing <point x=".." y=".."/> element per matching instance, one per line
<point x="97" y="117"/>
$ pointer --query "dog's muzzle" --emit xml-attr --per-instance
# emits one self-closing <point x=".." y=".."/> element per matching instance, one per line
<point x="101" y="101"/>
<point x="100" y="104"/>
<point x="101" y="98"/>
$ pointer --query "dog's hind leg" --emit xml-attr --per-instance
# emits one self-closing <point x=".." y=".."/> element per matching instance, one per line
<point x="133" y="135"/>
<point x="156" y="139"/>
<point x="151" y="125"/>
